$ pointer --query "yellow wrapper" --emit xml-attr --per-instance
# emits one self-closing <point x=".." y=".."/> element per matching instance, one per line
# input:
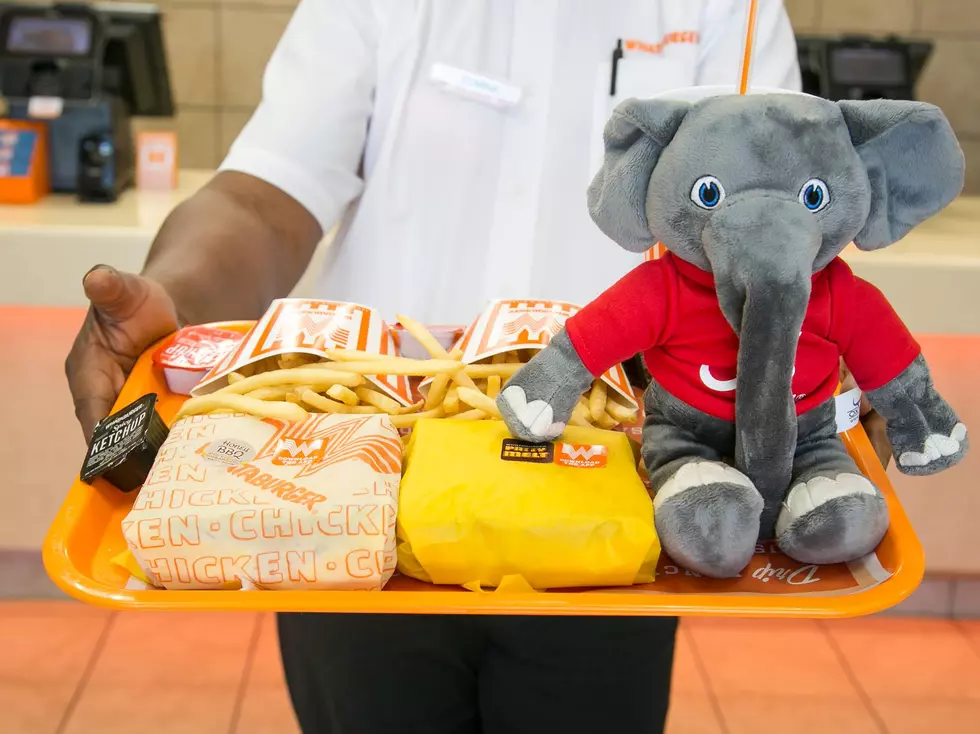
<point x="476" y="506"/>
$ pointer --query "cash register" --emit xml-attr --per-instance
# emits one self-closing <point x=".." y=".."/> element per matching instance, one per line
<point x="861" y="67"/>
<point x="84" y="71"/>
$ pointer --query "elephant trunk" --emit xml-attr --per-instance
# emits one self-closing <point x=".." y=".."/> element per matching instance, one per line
<point x="762" y="252"/>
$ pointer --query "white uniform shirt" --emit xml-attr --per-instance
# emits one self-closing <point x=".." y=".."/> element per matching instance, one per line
<point x="447" y="202"/>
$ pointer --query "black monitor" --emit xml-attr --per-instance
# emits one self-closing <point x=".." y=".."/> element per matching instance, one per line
<point x="861" y="67"/>
<point x="84" y="52"/>
<point x="135" y="59"/>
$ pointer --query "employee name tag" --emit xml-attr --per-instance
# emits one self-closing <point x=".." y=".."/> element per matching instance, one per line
<point x="848" y="410"/>
<point x="475" y="86"/>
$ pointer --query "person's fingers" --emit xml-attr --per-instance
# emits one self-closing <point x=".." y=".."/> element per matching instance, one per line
<point x="847" y="381"/>
<point x="876" y="428"/>
<point x="115" y="295"/>
<point x="90" y="410"/>
<point x="94" y="378"/>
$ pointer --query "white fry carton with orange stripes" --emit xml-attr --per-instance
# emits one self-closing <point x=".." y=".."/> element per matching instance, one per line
<point x="516" y="325"/>
<point x="235" y="501"/>
<point x="310" y="326"/>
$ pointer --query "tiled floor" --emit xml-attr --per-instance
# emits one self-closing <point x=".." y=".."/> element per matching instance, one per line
<point x="67" y="668"/>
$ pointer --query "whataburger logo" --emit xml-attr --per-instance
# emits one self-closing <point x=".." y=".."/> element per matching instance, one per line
<point x="290" y="452"/>
<point x="319" y="442"/>
<point x="539" y="330"/>
<point x="578" y="456"/>
<point x="632" y="44"/>
<point x="581" y="456"/>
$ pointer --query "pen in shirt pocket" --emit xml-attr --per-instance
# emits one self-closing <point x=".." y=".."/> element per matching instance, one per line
<point x="617" y="54"/>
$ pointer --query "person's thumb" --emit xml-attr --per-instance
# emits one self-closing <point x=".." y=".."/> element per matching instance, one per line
<point x="116" y="295"/>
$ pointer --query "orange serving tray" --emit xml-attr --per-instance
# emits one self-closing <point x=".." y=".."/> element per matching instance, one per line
<point x="87" y="534"/>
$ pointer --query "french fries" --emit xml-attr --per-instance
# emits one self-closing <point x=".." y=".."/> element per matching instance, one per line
<point x="476" y="399"/>
<point x="342" y="394"/>
<point x="493" y="386"/>
<point x="451" y="402"/>
<point x="597" y="400"/>
<point x="296" y="376"/>
<point x="241" y="404"/>
<point x="292" y="386"/>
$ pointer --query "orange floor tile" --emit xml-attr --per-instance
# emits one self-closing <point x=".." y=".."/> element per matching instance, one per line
<point x="69" y="669"/>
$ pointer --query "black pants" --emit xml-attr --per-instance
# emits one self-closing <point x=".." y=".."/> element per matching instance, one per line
<point x="477" y="675"/>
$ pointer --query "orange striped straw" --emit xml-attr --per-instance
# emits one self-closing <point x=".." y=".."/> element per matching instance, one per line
<point x="743" y="84"/>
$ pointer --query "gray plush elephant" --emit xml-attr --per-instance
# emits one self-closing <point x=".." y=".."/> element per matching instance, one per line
<point x="744" y="322"/>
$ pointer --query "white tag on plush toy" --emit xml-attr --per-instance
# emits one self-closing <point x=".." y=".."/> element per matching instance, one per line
<point x="848" y="410"/>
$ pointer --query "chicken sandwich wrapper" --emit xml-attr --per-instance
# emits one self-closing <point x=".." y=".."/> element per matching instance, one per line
<point x="478" y="507"/>
<point x="235" y="501"/>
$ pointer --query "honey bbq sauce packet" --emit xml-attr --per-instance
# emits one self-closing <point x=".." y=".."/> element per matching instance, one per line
<point x="235" y="501"/>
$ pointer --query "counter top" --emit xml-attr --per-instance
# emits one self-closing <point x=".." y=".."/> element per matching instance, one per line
<point x="135" y="211"/>
<point x="46" y="248"/>
<point x="932" y="276"/>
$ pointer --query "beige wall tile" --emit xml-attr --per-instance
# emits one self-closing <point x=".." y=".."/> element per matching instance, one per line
<point x="190" y="34"/>
<point x="949" y="80"/>
<point x="232" y="122"/>
<point x="802" y="14"/>
<point x="867" y="16"/>
<point x="248" y="38"/>
<point x="949" y="15"/>
<point x="197" y="136"/>
<point x="197" y="131"/>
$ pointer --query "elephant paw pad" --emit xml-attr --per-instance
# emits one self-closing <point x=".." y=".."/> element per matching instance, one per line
<point x="536" y="416"/>
<point x="936" y="447"/>
<point x="700" y="474"/>
<point x="831" y="520"/>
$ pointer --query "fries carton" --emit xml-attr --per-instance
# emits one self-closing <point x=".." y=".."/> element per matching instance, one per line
<point x="304" y="326"/>
<point x="235" y="501"/>
<point x="513" y="326"/>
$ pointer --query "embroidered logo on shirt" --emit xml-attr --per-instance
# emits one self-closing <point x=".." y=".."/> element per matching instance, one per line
<point x="632" y="44"/>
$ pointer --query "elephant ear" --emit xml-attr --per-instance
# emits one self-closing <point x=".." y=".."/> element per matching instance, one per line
<point x="634" y="138"/>
<point x="914" y="164"/>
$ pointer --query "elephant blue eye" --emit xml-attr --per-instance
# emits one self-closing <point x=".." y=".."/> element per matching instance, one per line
<point x="707" y="192"/>
<point x="814" y="195"/>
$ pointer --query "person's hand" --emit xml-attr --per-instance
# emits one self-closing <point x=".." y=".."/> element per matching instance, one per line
<point x="127" y="314"/>
<point x="874" y="424"/>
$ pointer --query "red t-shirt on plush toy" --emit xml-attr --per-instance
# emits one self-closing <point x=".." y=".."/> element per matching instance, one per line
<point x="668" y="310"/>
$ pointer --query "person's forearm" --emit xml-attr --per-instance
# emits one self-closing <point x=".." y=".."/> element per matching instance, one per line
<point x="231" y="249"/>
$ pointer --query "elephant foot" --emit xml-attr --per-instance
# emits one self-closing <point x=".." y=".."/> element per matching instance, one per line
<point x="832" y="520"/>
<point x="707" y="516"/>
